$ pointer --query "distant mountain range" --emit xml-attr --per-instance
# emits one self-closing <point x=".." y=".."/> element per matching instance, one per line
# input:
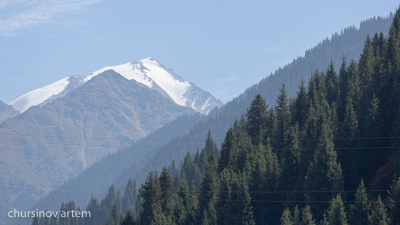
<point x="70" y="124"/>
<point x="148" y="71"/>
<point x="124" y="164"/>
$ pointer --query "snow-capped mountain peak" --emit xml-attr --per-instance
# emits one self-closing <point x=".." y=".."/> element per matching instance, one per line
<point x="147" y="71"/>
<point x="46" y="94"/>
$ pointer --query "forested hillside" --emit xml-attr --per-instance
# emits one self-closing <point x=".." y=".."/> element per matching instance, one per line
<point x="328" y="156"/>
<point x="117" y="168"/>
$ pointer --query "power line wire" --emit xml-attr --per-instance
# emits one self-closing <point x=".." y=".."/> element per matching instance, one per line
<point x="160" y="147"/>
<point x="163" y="139"/>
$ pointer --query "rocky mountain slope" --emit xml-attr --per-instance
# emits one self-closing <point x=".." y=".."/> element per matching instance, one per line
<point x="7" y="111"/>
<point x="148" y="72"/>
<point x="69" y="129"/>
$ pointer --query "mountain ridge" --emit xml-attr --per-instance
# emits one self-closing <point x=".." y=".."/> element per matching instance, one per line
<point x="147" y="71"/>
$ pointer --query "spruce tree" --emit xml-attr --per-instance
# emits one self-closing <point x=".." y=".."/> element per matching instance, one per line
<point x="331" y="81"/>
<point x="283" y="116"/>
<point x="286" y="218"/>
<point x="291" y="159"/>
<point x="151" y="193"/>
<point x="306" y="216"/>
<point x="324" y="173"/>
<point x="301" y="103"/>
<point x="128" y="219"/>
<point x="166" y="190"/>
<point x="208" y="185"/>
<point x="394" y="202"/>
<point x="256" y="118"/>
<point x="379" y="215"/>
<point x="360" y="209"/>
<point x="336" y="212"/>
<point x="226" y="149"/>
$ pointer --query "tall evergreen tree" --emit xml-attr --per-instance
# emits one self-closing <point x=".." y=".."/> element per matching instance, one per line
<point x="332" y="87"/>
<point x="286" y="218"/>
<point x="336" y="212"/>
<point x="151" y="193"/>
<point x="306" y="217"/>
<point x="379" y="215"/>
<point x="394" y="202"/>
<point x="128" y="219"/>
<point x="360" y="210"/>
<point x="301" y="103"/>
<point x="256" y="118"/>
<point x="324" y="173"/>
<point x="166" y="190"/>
<point x="283" y="116"/>
<point x="208" y="186"/>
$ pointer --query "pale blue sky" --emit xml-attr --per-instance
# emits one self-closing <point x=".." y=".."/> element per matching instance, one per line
<point x="210" y="43"/>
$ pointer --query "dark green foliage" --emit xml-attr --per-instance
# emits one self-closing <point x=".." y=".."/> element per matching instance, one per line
<point x="256" y="119"/>
<point x="336" y="212"/>
<point x="394" y="202"/>
<point x="234" y="206"/>
<point x="151" y="193"/>
<point x="291" y="154"/>
<point x="208" y="186"/>
<point x="379" y="215"/>
<point x="361" y="208"/>
<point x="166" y="190"/>
<point x="283" y="115"/>
<point x="306" y="217"/>
<point x="324" y="173"/>
<point x="286" y="218"/>
<point x="128" y="219"/>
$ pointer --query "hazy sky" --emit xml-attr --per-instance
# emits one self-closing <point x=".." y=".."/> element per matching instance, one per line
<point x="214" y="44"/>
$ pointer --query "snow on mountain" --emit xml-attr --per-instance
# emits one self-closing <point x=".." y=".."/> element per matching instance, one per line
<point x="46" y="94"/>
<point x="147" y="71"/>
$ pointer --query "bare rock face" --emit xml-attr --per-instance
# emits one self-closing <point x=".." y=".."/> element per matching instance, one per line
<point x="7" y="111"/>
<point x="48" y="144"/>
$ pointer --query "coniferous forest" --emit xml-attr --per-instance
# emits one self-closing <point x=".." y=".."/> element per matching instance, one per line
<point x="330" y="155"/>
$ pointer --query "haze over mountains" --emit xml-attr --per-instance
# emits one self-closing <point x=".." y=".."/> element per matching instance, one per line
<point x="128" y="102"/>
<point x="68" y="125"/>
<point x="118" y="166"/>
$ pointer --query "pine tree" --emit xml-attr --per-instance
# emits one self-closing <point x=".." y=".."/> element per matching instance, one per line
<point x="343" y="84"/>
<point x="151" y="193"/>
<point x="234" y="206"/>
<point x="208" y="185"/>
<point x="301" y="103"/>
<point x="286" y="218"/>
<point x="366" y="70"/>
<point x="256" y="118"/>
<point x="129" y="197"/>
<point x="283" y="116"/>
<point x="291" y="159"/>
<point x="306" y="217"/>
<point x="226" y="149"/>
<point x="394" y="202"/>
<point x="166" y="190"/>
<point x="360" y="210"/>
<point x="128" y="219"/>
<point x="115" y="215"/>
<point x="296" y="215"/>
<point x="331" y="81"/>
<point x="336" y="212"/>
<point x="324" y="173"/>
<point x="349" y="158"/>
<point x="378" y="215"/>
